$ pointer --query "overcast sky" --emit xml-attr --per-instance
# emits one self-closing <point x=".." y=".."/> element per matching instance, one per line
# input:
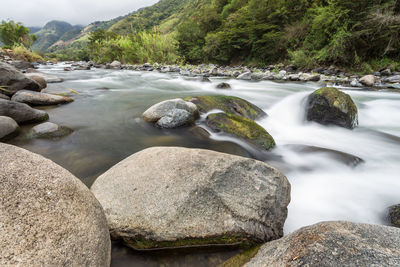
<point x="38" y="12"/>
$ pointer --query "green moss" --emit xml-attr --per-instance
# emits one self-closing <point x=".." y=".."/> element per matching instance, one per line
<point x="141" y="243"/>
<point x="242" y="128"/>
<point x="242" y="258"/>
<point x="228" y="104"/>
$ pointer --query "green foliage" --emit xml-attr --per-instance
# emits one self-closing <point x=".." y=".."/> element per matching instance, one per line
<point x="24" y="54"/>
<point x="15" y="34"/>
<point x="141" y="47"/>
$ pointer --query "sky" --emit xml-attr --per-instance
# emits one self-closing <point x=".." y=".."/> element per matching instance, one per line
<point x="83" y="12"/>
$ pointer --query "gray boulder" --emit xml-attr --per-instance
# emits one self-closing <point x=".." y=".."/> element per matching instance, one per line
<point x="333" y="244"/>
<point x="21" y="64"/>
<point x="40" y="99"/>
<point x="47" y="77"/>
<point x="177" y="197"/>
<point x="48" y="217"/>
<point x="115" y="64"/>
<point x="157" y="111"/>
<point x="13" y="80"/>
<point x="392" y="79"/>
<point x="8" y="126"/>
<point x="21" y="113"/>
<point x="245" y="76"/>
<point x="40" y="80"/>
<point x="4" y="97"/>
<point x="50" y="130"/>
<point x="368" y="80"/>
<point x="176" y="118"/>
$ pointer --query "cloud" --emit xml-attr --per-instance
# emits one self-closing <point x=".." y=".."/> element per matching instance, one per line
<point x="39" y="12"/>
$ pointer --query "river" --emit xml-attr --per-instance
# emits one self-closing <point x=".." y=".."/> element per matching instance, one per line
<point x="327" y="182"/>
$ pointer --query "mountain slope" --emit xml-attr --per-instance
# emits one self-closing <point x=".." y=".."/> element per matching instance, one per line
<point x="52" y="32"/>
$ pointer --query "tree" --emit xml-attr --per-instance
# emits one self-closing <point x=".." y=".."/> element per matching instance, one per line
<point x="15" y="34"/>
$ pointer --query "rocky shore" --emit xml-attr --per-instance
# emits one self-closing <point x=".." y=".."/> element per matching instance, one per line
<point x="172" y="197"/>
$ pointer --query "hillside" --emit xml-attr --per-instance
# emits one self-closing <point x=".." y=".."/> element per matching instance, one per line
<point x="308" y="33"/>
<point x="52" y="32"/>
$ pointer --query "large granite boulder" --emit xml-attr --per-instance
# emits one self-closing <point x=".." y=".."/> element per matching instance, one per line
<point x="13" y="80"/>
<point x="333" y="244"/>
<point x="47" y="216"/>
<point x="328" y="105"/>
<point x="40" y="80"/>
<point x="241" y="128"/>
<point x="368" y="80"/>
<point x="228" y="104"/>
<point x="177" y="197"/>
<point x="8" y="126"/>
<point x="21" y="113"/>
<point x="39" y="99"/>
<point x="172" y="113"/>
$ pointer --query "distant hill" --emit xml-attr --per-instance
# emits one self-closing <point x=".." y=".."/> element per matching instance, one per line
<point x="52" y="32"/>
<point x="34" y="29"/>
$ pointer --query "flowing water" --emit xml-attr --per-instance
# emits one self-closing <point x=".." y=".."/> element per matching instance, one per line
<point x="335" y="173"/>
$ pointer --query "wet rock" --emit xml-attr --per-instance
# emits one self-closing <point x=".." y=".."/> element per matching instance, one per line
<point x="310" y="77"/>
<point x="50" y="130"/>
<point x="328" y="105"/>
<point x="368" y="80"/>
<point x="47" y="77"/>
<point x="8" y="126"/>
<point x="223" y="86"/>
<point x="165" y="69"/>
<point x="205" y="79"/>
<point x="35" y="98"/>
<point x="48" y="216"/>
<point x="257" y="76"/>
<point x="245" y="76"/>
<point x="115" y="64"/>
<point x="176" y="118"/>
<point x="157" y="111"/>
<point x="21" y="113"/>
<point x="21" y="64"/>
<point x="13" y="80"/>
<point x="228" y="104"/>
<point x="242" y="128"/>
<point x="392" y="79"/>
<point x="202" y="198"/>
<point x="67" y="69"/>
<point x="333" y="244"/>
<point x="355" y="83"/>
<point x="214" y="71"/>
<point x="40" y="80"/>
<point x="394" y="215"/>
<point x="386" y="72"/>
<point x="4" y="97"/>
<point x="83" y="67"/>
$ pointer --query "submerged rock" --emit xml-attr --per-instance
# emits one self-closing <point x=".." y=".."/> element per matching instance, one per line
<point x="176" y="118"/>
<point x="157" y="111"/>
<point x="394" y="215"/>
<point x="48" y="216"/>
<point x="8" y="126"/>
<point x="36" y="98"/>
<point x="228" y="104"/>
<point x="333" y="244"/>
<point x="192" y="197"/>
<point x="328" y="105"/>
<point x="21" y="113"/>
<point x="223" y="86"/>
<point x="50" y="130"/>
<point x="241" y="128"/>
<point x="13" y="80"/>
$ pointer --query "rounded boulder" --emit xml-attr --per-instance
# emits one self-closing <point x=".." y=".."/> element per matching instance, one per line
<point x="165" y="197"/>
<point x="47" y="216"/>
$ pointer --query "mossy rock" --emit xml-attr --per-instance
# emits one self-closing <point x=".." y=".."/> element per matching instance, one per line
<point x="228" y="104"/>
<point x="328" y="105"/>
<point x="242" y="128"/>
<point x="394" y="215"/>
<point x="242" y="258"/>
